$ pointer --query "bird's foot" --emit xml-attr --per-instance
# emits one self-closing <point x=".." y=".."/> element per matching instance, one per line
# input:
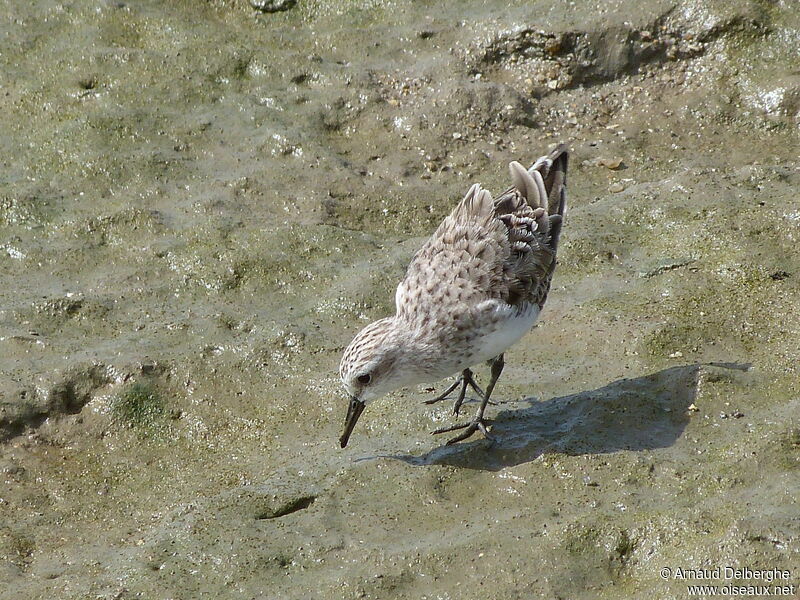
<point x="477" y="424"/>
<point x="464" y="380"/>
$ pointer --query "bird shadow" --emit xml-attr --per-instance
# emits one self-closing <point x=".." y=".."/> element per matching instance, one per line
<point x="643" y="413"/>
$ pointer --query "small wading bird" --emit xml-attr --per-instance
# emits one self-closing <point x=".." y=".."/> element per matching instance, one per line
<point x="471" y="292"/>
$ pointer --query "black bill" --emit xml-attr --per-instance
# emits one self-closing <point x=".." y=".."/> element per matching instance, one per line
<point x="354" y="411"/>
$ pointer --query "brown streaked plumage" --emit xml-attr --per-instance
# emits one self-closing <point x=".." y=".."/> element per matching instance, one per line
<point x="472" y="290"/>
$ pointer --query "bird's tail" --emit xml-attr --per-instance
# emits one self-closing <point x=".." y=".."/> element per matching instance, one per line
<point x="553" y="169"/>
<point x="543" y="188"/>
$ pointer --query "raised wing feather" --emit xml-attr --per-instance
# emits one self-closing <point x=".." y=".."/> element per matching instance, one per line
<point x="533" y="211"/>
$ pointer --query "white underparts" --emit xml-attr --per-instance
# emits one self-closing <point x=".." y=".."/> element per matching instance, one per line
<point x="512" y="324"/>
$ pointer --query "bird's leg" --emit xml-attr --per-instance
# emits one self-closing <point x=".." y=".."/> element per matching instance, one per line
<point x="477" y="423"/>
<point x="446" y="393"/>
<point x="465" y="379"/>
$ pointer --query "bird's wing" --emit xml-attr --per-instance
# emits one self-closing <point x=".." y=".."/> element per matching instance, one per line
<point x="490" y="249"/>
<point x="460" y="266"/>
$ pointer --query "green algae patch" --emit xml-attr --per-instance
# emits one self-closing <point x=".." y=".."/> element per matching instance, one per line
<point x="141" y="406"/>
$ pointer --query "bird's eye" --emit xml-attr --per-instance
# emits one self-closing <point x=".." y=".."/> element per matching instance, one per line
<point x="364" y="379"/>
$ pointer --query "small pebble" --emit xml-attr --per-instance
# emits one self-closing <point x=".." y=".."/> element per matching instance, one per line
<point x="609" y="163"/>
<point x="272" y="5"/>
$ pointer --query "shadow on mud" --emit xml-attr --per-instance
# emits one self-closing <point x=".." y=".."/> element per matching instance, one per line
<point x="629" y="414"/>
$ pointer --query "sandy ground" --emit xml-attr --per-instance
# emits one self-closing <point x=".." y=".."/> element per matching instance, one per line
<point x="202" y="202"/>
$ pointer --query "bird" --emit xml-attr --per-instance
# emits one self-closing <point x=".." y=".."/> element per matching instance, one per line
<point x="472" y="291"/>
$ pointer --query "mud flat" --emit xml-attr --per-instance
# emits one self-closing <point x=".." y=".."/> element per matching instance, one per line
<point x="201" y="203"/>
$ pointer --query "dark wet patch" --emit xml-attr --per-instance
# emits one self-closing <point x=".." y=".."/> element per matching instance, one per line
<point x="292" y="506"/>
<point x="67" y="393"/>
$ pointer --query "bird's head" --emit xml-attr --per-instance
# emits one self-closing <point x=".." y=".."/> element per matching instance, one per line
<point x="372" y="366"/>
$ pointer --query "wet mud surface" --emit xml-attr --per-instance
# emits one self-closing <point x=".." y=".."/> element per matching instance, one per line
<point x="202" y="202"/>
